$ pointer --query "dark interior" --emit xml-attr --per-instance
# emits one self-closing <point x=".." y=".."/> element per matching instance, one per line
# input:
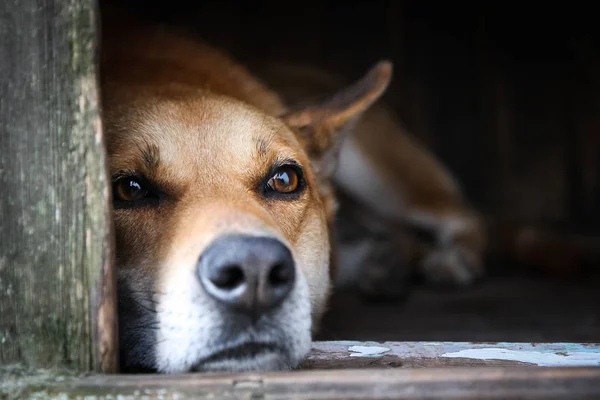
<point x="507" y="97"/>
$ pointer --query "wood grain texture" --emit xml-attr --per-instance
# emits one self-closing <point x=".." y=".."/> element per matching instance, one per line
<point x="56" y="286"/>
<point x="434" y="383"/>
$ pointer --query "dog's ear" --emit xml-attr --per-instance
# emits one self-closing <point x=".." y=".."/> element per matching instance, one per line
<point x="323" y="126"/>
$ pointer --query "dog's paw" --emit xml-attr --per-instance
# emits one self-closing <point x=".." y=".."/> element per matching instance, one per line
<point x="451" y="266"/>
<point x="384" y="274"/>
<point x="382" y="284"/>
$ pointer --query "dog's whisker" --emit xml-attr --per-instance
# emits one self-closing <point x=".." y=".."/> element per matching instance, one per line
<point x="142" y="326"/>
<point x="144" y="307"/>
<point x="147" y="293"/>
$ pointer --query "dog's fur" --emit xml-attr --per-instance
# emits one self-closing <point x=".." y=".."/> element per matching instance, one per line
<point x="203" y="133"/>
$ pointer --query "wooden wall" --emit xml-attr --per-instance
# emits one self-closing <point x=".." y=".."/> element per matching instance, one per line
<point x="508" y="97"/>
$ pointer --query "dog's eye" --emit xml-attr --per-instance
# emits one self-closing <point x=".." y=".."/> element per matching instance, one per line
<point x="285" y="180"/>
<point x="129" y="189"/>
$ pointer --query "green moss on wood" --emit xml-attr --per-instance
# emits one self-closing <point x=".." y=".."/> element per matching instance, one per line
<point x="54" y="229"/>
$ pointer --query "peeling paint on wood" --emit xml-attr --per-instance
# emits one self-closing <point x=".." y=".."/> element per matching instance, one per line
<point x="348" y="354"/>
<point x="367" y="351"/>
<point x="542" y="359"/>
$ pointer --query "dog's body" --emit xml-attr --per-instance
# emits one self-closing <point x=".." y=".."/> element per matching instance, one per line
<point x="402" y="212"/>
<point x="389" y="184"/>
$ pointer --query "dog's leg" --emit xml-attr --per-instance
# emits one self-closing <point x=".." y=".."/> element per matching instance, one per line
<point x="385" y="274"/>
<point x="372" y="255"/>
<point x="409" y="188"/>
<point x="458" y="241"/>
<point x="399" y="178"/>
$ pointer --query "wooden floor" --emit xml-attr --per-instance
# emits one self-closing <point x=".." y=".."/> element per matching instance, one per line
<point x="521" y="309"/>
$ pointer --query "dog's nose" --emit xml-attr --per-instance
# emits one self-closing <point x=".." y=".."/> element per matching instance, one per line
<point x="247" y="273"/>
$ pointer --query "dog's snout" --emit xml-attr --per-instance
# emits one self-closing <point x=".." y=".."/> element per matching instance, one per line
<point x="247" y="273"/>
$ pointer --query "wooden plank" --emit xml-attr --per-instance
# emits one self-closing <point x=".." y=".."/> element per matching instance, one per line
<point x="349" y="354"/>
<point x="369" y="370"/>
<point x="439" y="383"/>
<point x="56" y="288"/>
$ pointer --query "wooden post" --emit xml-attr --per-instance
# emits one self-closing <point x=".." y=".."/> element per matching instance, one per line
<point x="57" y="304"/>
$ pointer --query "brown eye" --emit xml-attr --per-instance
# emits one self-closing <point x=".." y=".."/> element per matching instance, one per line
<point x="285" y="180"/>
<point x="129" y="189"/>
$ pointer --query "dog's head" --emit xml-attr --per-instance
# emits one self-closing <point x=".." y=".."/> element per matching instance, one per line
<point x="222" y="215"/>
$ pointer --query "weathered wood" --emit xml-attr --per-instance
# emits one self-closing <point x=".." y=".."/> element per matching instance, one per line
<point x="359" y="370"/>
<point x="435" y="383"/>
<point x="348" y="354"/>
<point x="56" y="287"/>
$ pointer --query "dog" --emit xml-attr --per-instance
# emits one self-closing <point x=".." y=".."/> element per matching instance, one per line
<point x="240" y="196"/>
<point x="223" y="202"/>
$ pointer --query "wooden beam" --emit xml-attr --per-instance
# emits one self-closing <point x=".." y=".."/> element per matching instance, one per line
<point x="56" y="286"/>
<point x="370" y="370"/>
<point x="434" y="383"/>
<point x="348" y="354"/>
